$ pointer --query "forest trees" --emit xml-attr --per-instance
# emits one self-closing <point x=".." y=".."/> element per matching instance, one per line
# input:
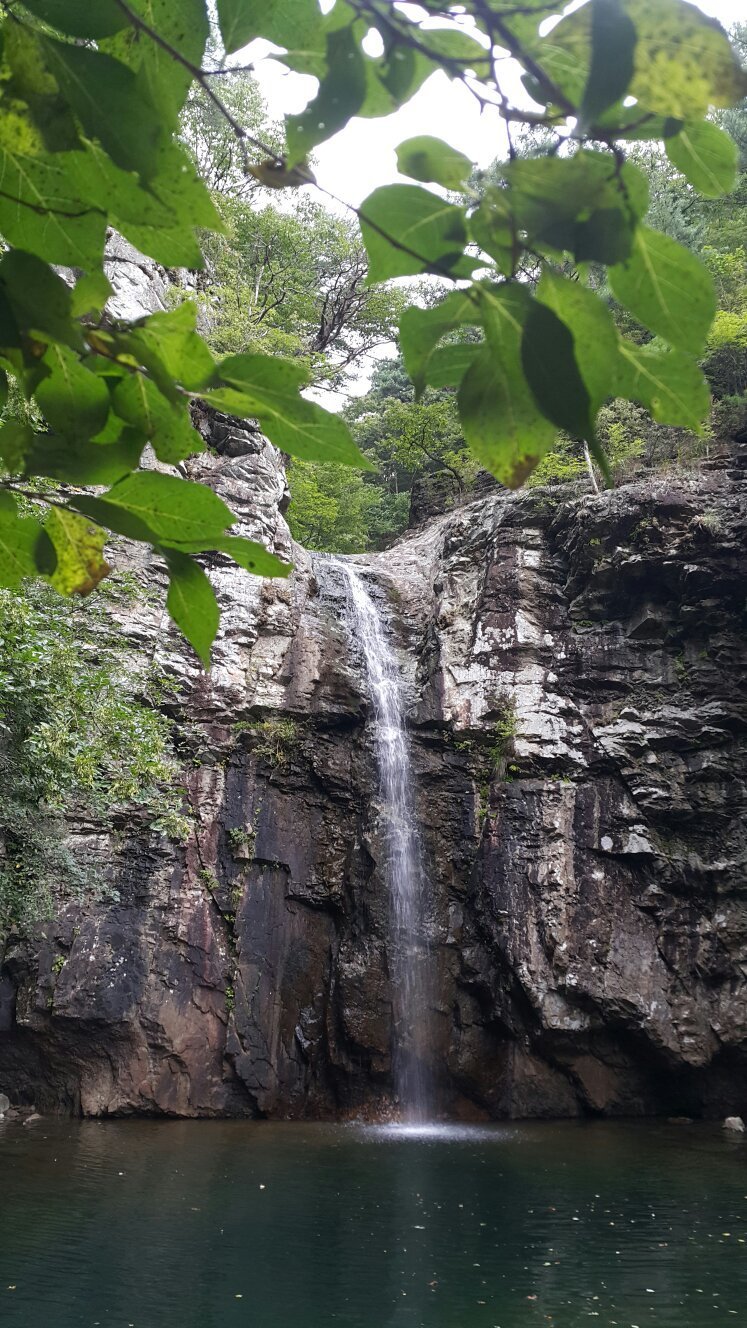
<point x="91" y="99"/>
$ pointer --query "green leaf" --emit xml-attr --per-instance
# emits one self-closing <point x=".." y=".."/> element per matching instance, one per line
<point x="40" y="300"/>
<point x="266" y="388"/>
<point x="289" y="23"/>
<point x="684" y="61"/>
<point x="549" y="363"/>
<point x="448" y="364"/>
<point x="707" y="156"/>
<point x="432" y="160"/>
<point x="75" y="461"/>
<point x="79" y="548"/>
<point x="90" y="294"/>
<point x="71" y="398"/>
<point x="80" y="18"/>
<point x="247" y="553"/>
<point x="138" y="401"/>
<point x="407" y="230"/>
<point x="4" y="389"/>
<point x="19" y="537"/>
<point x="110" y="105"/>
<point x="587" y="204"/>
<point x="595" y="337"/>
<point x="668" y="383"/>
<point x="422" y="329"/>
<point x="666" y="288"/>
<point x="16" y="441"/>
<point x="501" y="421"/>
<point x="161" y="79"/>
<point x="170" y="340"/>
<point x="341" y="94"/>
<point x="164" y="507"/>
<point x="493" y="228"/>
<point x="613" y="39"/>
<point x="191" y="602"/>
<point x="41" y="211"/>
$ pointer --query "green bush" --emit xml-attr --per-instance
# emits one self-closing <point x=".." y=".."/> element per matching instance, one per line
<point x="77" y="738"/>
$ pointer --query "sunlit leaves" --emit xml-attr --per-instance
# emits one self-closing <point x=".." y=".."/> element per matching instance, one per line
<point x="73" y="400"/>
<point x="166" y="425"/>
<point x="550" y="368"/>
<point x="41" y="210"/>
<point x="421" y="330"/>
<point x="667" y="382"/>
<point x="191" y="602"/>
<point x="683" y="60"/>
<point x="18" y="540"/>
<point x="613" y="39"/>
<point x="668" y="289"/>
<point x="501" y="419"/>
<point x="341" y="94"/>
<point x="267" y="387"/>
<point x="288" y="23"/>
<point x="407" y="230"/>
<point x="78" y="545"/>
<point x="706" y="155"/>
<point x="170" y="509"/>
<point x="432" y="160"/>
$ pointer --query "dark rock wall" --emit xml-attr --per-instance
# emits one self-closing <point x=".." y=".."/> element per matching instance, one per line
<point x="575" y="674"/>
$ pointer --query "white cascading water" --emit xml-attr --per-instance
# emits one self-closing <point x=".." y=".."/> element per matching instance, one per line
<point x="408" y="951"/>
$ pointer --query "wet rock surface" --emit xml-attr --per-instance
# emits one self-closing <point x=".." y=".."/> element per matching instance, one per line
<point x="574" y="668"/>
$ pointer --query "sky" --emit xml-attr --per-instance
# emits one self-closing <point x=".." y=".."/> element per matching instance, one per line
<point x="361" y="157"/>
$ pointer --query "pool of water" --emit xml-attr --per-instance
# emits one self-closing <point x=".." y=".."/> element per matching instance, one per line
<point x="254" y="1225"/>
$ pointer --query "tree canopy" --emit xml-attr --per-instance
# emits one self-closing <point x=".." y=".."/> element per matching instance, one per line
<point x="92" y="135"/>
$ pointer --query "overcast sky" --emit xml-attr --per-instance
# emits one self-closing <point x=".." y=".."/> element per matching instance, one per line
<point x="362" y="156"/>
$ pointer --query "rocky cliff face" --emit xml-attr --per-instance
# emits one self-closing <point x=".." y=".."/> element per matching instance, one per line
<point x="574" y="668"/>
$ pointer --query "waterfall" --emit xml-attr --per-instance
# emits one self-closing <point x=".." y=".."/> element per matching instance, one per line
<point x="408" y="959"/>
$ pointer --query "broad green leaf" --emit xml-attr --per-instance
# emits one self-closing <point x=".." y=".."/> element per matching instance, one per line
<point x="80" y="18"/>
<point x="684" y="61"/>
<point x="493" y="228"/>
<point x="179" y="187"/>
<point x="668" y="383"/>
<point x="40" y="300"/>
<point x="41" y="211"/>
<point x="78" y="462"/>
<point x="16" y="442"/>
<point x="433" y="161"/>
<point x="549" y="363"/>
<point x="613" y="39"/>
<point x="90" y="294"/>
<point x="587" y="204"/>
<point x="501" y="420"/>
<point x="163" y="80"/>
<point x="171" y="338"/>
<point x="667" y="288"/>
<point x="110" y="105"/>
<point x="422" y="329"/>
<point x="40" y="118"/>
<point x="247" y="553"/>
<point x="407" y="230"/>
<point x="191" y="602"/>
<point x="72" y="399"/>
<point x="448" y="364"/>
<point x="595" y="337"/>
<point x="18" y="540"/>
<point x="289" y="23"/>
<point x="170" y="509"/>
<point x="341" y="94"/>
<point x="707" y="156"/>
<point x="138" y="401"/>
<point x="79" y="547"/>
<point x="266" y="387"/>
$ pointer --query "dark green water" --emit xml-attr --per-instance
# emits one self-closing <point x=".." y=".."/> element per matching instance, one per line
<point x="240" y="1225"/>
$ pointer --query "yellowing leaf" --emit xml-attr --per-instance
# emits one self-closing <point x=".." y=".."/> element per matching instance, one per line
<point x="79" y="548"/>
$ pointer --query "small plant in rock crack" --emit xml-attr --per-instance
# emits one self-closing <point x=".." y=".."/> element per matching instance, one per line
<point x="273" y="740"/>
<point x="241" y="839"/>
<point x="503" y="732"/>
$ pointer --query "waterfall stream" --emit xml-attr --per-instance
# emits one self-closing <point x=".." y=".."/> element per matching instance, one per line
<point x="408" y="958"/>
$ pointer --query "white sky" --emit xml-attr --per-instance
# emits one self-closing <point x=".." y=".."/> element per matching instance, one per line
<point x="361" y="156"/>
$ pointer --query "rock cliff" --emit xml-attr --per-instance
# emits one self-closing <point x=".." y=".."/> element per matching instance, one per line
<point x="574" y="668"/>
